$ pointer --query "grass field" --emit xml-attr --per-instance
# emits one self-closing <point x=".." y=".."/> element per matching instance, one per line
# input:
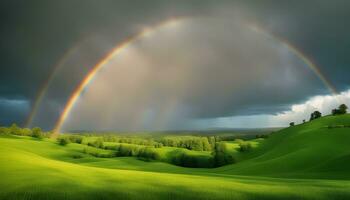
<point x="308" y="161"/>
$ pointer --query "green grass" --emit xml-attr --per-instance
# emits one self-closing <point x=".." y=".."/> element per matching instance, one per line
<point x="233" y="146"/>
<point x="310" y="150"/>
<point x="307" y="161"/>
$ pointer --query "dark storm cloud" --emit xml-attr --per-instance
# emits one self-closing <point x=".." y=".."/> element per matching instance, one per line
<point x="13" y="110"/>
<point x="318" y="28"/>
<point x="35" y="35"/>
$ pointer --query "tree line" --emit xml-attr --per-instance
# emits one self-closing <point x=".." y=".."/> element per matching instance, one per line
<point x="188" y="142"/>
<point x="35" y="132"/>
<point x="195" y="143"/>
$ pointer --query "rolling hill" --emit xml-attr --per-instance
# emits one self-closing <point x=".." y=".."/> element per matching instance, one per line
<point x="318" y="149"/>
<point x="307" y="161"/>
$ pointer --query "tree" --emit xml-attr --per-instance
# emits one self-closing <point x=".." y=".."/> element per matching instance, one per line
<point x="212" y="142"/>
<point x="340" y="111"/>
<point x="4" y="131"/>
<point x="37" y="133"/>
<point x="343" y="109"/>
<point x="291" y="124"/>
<point x="315" y="115"/>
<point x="14" y="129"/>
<point x="304" y="121"/>
<point x="206" y="145"/>
<point x="26" y="132"/>
<point x="98" y="143"/>
<point x="63" y="140"/>
<point x="245" y="146"/>
<point x="335" y="111"/>
<point x="221" y="155"/>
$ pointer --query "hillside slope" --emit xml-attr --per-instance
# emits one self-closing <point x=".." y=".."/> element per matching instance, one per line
<point x="33" y="169"/>
<point x="310" y="150"/>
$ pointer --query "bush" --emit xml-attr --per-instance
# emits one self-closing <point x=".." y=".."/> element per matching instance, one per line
<point x="37" y="133"/>
<point x="124" y="150"/>
<point x="14" y="129"/>
<point x="76" y="138"/>
<point x="26" y="132"/>
<point x="186" y="159"/>
<point x="245" y="146"/>
<point x="222" y="156"/>
<point x="97" y="143"/>
<point x="98" y="152"/>
<point x="148" y="153"/>
<point x="158" y="145"/>
<point x="77" y="156"/>
<point x="63" y="140"/>
<point x="4" y="131"/>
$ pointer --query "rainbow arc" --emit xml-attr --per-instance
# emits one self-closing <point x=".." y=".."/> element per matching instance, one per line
<point x="115" y="52"/>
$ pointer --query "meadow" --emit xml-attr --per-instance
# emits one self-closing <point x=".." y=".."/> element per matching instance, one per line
<point x="306" y="161"/>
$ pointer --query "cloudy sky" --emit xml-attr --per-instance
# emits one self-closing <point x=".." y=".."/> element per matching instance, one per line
<point x="211" y="68"/>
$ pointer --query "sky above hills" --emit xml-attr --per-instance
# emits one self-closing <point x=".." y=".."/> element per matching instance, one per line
<point x="237" y="64"/>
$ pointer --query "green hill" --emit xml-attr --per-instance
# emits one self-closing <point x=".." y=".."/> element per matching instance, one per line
<point x="317" y="149"/>
<point x="308" y="161"/>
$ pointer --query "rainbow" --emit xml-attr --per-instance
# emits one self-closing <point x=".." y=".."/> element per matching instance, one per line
<point x="114" y="52"/>
<point x="297" y="52"/>
<point x="89" y="77"/>
<point x="42" y="92"/>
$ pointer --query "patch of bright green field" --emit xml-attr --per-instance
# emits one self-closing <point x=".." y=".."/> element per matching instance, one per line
<point x="233" y="146"/>
<point x="308" y="161"/>
<point x="167" y="154"/>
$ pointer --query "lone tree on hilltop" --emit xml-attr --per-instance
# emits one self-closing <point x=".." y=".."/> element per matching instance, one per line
<point x="292" y="124"/>
<point x="315" y="115"/>
<point x="343" y="109"/>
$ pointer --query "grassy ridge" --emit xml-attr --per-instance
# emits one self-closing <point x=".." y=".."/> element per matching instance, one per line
<point x="310" y="150"/>
<point x="41" y="169"/>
